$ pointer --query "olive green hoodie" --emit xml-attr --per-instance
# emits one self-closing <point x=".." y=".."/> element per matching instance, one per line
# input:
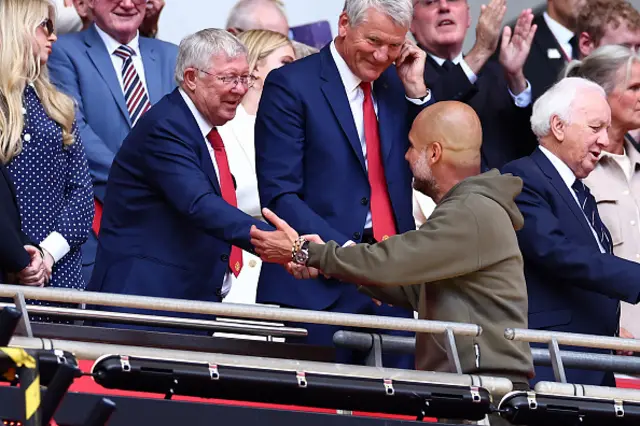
<point x="462" y="265"/>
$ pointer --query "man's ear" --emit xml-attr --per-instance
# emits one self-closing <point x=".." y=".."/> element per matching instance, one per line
<point x="343" y="24"/>
<point x="189" y="79"/>
<point x="586" y="44"/>
<point x="558" y="128"/>
<point x="434" y="152"/>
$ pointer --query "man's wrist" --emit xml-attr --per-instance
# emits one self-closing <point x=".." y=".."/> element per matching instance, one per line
<point x="517" y="82"/>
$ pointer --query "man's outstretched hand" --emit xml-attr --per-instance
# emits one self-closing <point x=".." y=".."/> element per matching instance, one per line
<point x="276" y="246"/>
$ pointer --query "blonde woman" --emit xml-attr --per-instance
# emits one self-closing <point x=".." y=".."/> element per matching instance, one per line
<point x="268" y="50"/>
<point x="39" y="142"/>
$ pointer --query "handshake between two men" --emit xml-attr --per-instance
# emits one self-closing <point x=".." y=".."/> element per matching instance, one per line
<point x="286" y="247"/>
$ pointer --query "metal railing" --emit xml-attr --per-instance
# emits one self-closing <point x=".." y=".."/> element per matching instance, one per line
<point x="258" y="312"/>
<point x="365" y="342"/>
<point x="163" y="321"/>
<point x="554" y="339"/>
<point x="93" y="351"/>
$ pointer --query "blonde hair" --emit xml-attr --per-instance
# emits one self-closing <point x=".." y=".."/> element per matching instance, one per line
<point x="262" y="43"/>
<point x="19" y="66"/>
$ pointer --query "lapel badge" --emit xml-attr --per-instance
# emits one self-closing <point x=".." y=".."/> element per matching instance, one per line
<point x="553" y="54"/>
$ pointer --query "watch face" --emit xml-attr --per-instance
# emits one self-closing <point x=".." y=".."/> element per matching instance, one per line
<point x="301" y="257"/>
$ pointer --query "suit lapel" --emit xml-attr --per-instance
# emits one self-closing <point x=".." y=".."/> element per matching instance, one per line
<point x="387" y="115"/>
<point x="560" y="187"/>
<point x="545" y="40"/>
<point x="151" y="70"/>
<point x="198" y="141"/>
<point x="334" y="92"/>
<point x="102" y="61"/>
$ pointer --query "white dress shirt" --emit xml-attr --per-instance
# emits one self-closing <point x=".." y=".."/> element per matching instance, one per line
<point x="522" y="100"/>
<point x="206" y="127"/>
<point x="355" y="95"/>
<point x="569" y="178"/>
<point x="561" y="33"/>
<point x="112" y="45"/>
<point x="238" y="136"/>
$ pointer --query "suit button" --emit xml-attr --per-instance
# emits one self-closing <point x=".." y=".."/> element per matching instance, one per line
<point x="356" y="235"/>
<point x="219" y="292"/>
<point x="224" y="258"/>
<point x="364" y="201"/>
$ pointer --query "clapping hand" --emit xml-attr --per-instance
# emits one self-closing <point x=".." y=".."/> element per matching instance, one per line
<point x="515" y="49"/>
<point x="489" y="23"/>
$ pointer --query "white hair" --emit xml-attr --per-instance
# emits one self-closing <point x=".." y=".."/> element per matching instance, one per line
<point x="243" y="13"/>
<point x="558" y="101"/>
<point x="400" y="11"/>
<point x="196" y="50"/>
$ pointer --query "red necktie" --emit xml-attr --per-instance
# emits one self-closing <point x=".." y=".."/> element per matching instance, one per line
<point x="381" y="212"/>
<point x="228" y="191"/>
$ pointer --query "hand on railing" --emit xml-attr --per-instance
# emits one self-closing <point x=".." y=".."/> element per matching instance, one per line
<point x="625" y="334"/>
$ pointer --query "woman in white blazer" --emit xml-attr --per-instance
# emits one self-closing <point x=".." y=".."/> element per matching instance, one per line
<point x="268" y="50"/>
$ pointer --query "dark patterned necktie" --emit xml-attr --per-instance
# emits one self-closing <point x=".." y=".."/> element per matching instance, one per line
<point x="590" y="209"/>
<point x="135" y="94"/>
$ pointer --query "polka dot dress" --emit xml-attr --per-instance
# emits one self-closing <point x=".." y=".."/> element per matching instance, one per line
<point x="53" y="189"/>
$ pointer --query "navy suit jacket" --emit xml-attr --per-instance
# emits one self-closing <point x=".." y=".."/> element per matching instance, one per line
<point x="13" y="256"/>
<point x="81" y="66"/>
<point x="503" y="138"/>
<point x="541" y="70"/>
<point x="311" y="169"/>
<point x="166" y="231"/>
<point x="572" y="286"/>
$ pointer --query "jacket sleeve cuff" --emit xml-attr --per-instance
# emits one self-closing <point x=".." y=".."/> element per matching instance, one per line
<point x="522" y="100"/>
<point x="56" y="245"/>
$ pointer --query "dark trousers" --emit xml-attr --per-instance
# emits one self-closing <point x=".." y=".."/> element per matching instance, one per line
<point x="353" y="302"/>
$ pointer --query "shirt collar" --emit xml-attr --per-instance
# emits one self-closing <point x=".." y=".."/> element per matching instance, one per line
<point x="112" y="44"/>
<point x="203" y="124"/>
<point x="565" y="172"/>
<point x="440" y="61"/>
<point x="560" y="32"/>
<point x="349" y="79"/>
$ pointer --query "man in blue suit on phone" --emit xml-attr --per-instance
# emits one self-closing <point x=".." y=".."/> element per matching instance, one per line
<point x="171" y="227"/>
<point x="574" y="282"/>
<point x="115" y="76"/>
<point x="331" y="134"/>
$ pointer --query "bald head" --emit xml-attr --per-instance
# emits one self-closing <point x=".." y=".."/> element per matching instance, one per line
<point x="445" y="147"/>
<point x="455" y="126"/>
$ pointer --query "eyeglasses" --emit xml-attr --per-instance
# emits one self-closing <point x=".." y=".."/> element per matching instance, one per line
<point x="233" y="80"/>
<point x="428" y="3"/>
<point x="47" y="25"/>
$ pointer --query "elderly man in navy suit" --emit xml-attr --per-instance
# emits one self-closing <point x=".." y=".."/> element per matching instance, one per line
<point x="115" y="76"/>
<point x="331" y="134"/>
<point x="171" y="226"/>
<point x="570" y="270"/>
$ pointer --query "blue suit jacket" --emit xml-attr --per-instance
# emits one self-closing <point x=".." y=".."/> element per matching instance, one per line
<point x="81" y="66"/>
<point x="166" y="231"/>
<point x="311" y="169"/>
<point x="572" y="286"/>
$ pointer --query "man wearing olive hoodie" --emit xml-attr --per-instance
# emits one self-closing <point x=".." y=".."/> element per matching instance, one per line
<point x="462" y="265"/>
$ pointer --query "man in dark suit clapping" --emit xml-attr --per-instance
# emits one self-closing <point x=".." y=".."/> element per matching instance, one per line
<point x="574" y="282"/>
<point x="496" y="89"/>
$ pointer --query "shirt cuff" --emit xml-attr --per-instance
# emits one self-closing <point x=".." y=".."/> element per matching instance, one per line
<point x="468" y="72"/>
<point x="348" y="243"/>
<point x="56" y="246"/>
<point x="522" y="100"/>
<point x="420" y="101"/>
